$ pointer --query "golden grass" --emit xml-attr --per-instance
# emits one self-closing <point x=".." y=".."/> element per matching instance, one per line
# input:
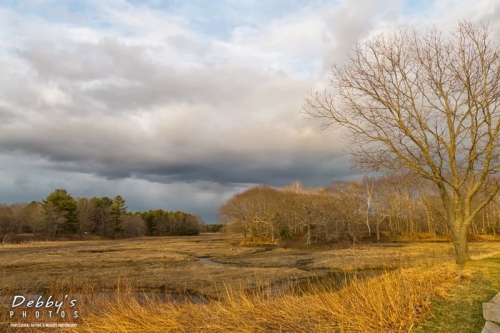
<point x="393" y="302"/>
<point x="170" y="263"/>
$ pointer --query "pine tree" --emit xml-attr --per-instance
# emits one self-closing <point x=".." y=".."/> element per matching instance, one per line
<point x="59" y="208"/>
<point x="118" y="210"/>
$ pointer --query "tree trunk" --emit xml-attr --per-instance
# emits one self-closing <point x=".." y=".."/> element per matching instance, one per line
<point x="308" y="235"/>
<point x="54" y="231"/>
<point x="460" y="245"/>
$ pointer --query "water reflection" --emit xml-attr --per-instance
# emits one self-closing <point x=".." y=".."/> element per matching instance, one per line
<point x="211" y="262"/>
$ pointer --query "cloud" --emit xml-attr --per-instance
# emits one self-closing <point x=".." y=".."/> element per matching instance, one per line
<point x="353" y="21"/>
<point x="174" y="108"/>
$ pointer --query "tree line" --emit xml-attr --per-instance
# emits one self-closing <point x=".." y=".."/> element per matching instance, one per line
<point x="61" y="214"/>
<point x="396" y="203"/>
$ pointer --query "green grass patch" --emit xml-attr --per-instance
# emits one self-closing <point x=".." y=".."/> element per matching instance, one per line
<point x="461" y="310"/>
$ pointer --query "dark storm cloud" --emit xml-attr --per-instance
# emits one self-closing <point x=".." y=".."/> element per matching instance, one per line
<point x="113" y="111"/>
<point x="271" y="167"/>
<point x="312" y="170"/>
<point x="138" y="104"/>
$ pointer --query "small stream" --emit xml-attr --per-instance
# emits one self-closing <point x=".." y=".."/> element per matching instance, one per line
<point x="326" y="280"/>
<point x="213" y="263"/>
<point x="329" y="279"/>
<point x="141" y="297"/>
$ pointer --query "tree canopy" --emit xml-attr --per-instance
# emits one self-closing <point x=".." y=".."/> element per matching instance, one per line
<point x="428" y="103"/>
<point x="59" y="214"/>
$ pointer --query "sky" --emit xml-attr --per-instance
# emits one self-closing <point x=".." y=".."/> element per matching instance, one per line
<point x="177" y="104"/>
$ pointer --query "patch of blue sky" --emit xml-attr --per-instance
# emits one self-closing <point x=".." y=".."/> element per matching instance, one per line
<point x="79" y="12"/>
<point x="417" y="7"/>
<point x="219" y="18"/>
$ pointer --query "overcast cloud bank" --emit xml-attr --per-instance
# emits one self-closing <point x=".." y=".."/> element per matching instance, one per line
<point x="180" y="106"/>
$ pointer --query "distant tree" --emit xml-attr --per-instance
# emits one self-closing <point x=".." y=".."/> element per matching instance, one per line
<point x="382" y="203"/>
<point x="306" y="211"/>
<point x="295" y="187"/>
<point x="118" y="210"/>
<point x="256" y="210"/>
<point x="184" y="224"/>
<point x="59" y="208"/>
<point x="133" y="225"/>
<point x="86" y="211"/>
<point x="101" y="217"/>
<point x="235" y="213"/>
<point x="20" y="224"/>
<point x="154" y="220"/>
<point x="6" y="221"/>
<point x="215" y="227"/>
<point x="368" y="196"/>
<point x="350" y="201"/>
<point x="425" y="103"/>
<point x="34" y="217"/>
<point x="162" y="223"/>
<point x="329" y="224"/>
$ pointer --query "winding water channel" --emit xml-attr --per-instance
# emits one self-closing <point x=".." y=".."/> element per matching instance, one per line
<point x="213" y="263"/>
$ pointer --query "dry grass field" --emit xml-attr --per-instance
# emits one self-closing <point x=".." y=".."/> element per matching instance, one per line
<point x="235" y="280"/>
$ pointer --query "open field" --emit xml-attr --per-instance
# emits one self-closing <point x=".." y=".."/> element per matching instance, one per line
<point x="173" y="263"/>
<point x="236" y="278"/>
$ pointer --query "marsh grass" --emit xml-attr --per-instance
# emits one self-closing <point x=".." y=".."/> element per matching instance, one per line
<point x="392" y="302"/>
<point x="258" y="289"/>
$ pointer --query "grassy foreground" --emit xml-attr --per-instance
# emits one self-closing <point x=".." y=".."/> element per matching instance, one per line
<point x="461" y="309"/>
<point x="432" y="299"/>
<point x="426" y="293"/>
<point x="437" y="299"/>
<point x="393" y="302"/>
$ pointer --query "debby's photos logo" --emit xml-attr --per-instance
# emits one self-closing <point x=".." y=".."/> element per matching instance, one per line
<point x="43" y="311"/>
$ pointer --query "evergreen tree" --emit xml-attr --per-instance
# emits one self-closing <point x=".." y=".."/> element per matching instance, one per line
<point x="59" y="208"/>
<point x="102" y="215"/>
<point x="118" y="210"/>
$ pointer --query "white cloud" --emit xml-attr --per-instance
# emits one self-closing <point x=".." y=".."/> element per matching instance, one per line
<point x="143" y="102"/>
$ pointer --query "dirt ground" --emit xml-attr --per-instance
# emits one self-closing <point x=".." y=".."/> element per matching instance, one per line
<point x="202" y="264"/>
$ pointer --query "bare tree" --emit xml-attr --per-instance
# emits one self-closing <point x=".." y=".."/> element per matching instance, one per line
<point x="368" y="198"/>
<point x="53" y="219"/>
<point x="86" y="211"/>
<point x="6" y="220"/>
<point x="34" y="217"/>
<point x="349" y="207"/>
<point x="134" y="226"/>
<point x="428" y="103"/>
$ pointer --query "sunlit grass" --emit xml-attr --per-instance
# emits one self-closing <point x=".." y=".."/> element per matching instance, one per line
<point x="425" y="297"/>
<point x="461" y="311"/>
<point x="393" y="302"/>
